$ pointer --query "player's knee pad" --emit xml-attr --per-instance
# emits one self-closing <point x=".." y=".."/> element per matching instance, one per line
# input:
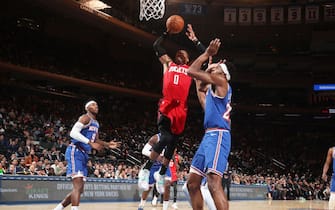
<point x="331" y="204"/>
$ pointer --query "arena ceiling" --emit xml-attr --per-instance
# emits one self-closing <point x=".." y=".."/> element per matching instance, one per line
<point x="300" y="51"/>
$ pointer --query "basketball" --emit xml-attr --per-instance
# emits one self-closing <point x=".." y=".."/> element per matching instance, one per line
<point x="175" y="24"/>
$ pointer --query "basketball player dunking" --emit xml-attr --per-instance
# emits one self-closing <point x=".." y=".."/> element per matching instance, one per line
<point x="172" y="110"/>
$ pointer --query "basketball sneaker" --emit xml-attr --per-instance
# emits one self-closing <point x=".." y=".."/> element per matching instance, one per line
<point x="174" y="206"/>
<point x="140" y="208"/>
<point x="143" y="179"/>
<point x="154" y="201"/>
<point x="159" y="182"/>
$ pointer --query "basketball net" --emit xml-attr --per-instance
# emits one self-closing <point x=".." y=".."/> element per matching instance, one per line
<point x="152" y="9"/>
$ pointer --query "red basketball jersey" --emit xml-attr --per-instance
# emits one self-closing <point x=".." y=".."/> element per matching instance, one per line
<point x="176" y="85"/>
<point x="176" y="82"/>
<point x="173" y="168"/>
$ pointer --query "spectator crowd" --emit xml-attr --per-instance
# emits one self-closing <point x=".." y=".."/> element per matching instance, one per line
<point x="34" y="133"/>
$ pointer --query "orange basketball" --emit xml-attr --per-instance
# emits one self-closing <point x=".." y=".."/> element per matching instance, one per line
<point x="175" y="24"/>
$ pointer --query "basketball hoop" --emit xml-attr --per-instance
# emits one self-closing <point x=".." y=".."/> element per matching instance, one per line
<point x="152" y="9"/>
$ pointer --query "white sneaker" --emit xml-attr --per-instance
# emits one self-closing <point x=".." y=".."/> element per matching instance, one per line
<point x="174" y="206"/>
<point x="159" y="182"/>
<point x="143" y="179"/>
<point x="154" y="201"/>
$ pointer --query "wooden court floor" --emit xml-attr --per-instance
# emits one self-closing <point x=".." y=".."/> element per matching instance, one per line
<point x="233" y="205"/>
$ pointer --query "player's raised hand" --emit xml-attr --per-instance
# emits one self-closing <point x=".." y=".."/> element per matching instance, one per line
<point x="190" y="33"/>
<point x="213" y="47"/>
<point x="114" y="144"/>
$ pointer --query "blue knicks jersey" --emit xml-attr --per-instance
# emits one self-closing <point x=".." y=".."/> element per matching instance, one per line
<point x="89" y="131"/>
<point x="217" y="110"/>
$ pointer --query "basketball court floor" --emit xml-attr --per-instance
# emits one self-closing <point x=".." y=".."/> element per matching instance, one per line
<point x="233" y="205"/>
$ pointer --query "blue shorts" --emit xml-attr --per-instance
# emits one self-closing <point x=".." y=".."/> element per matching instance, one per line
<point x="332" y="184"/>
<point x="212" y="154"/>
<point x="155" y="167"/>
<point x="76" y="162"/>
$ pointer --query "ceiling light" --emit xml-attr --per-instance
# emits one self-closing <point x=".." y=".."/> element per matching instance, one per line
<point x="95" y="4"/>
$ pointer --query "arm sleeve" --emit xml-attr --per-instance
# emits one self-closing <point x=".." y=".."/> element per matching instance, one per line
<point x="159" y="50"/>
<point x="75" y="133"/>
<point x="146" y="150"/>
<point x="200" y="47"/>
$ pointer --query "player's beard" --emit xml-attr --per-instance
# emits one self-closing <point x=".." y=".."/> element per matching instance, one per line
<point x="180" y="60"/>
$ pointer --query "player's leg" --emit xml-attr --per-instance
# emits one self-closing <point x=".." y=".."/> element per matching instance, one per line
<point x="65" y="202"/>
<point x="193" y="186"/>
<point x="228" y="190"/>
<point x="78" y="179"/>
<point x="216" y="164"/>
<point x="162" y="199"/>
<point x="78" y="188"/>
<point x="206" y="195"/>
<point x="155" y="195"/>
<point x="216" y="190"/>
<point x="170" y="141"/>
<point x="74" y="196"/>
<point x="166" y="195"/>
<point x="168" y="153"/>
<point x="143" y="177"/>
<point x="67" y="199"/>
<point x="174" y="186"/>
<point x="167" y="142"/>
<point x="151" y="183"/>
<point x="164" y="129"/>
<point x="144" y="197"/>
<point x="77" y="169"/>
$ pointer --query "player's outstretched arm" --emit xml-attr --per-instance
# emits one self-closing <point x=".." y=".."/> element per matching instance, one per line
<point x="195" y="69"/>
<point x="114" y="144"/>
<point x="109" y="145"/>
<point x="191" y="36"/>
<point x="160" y="51"/>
